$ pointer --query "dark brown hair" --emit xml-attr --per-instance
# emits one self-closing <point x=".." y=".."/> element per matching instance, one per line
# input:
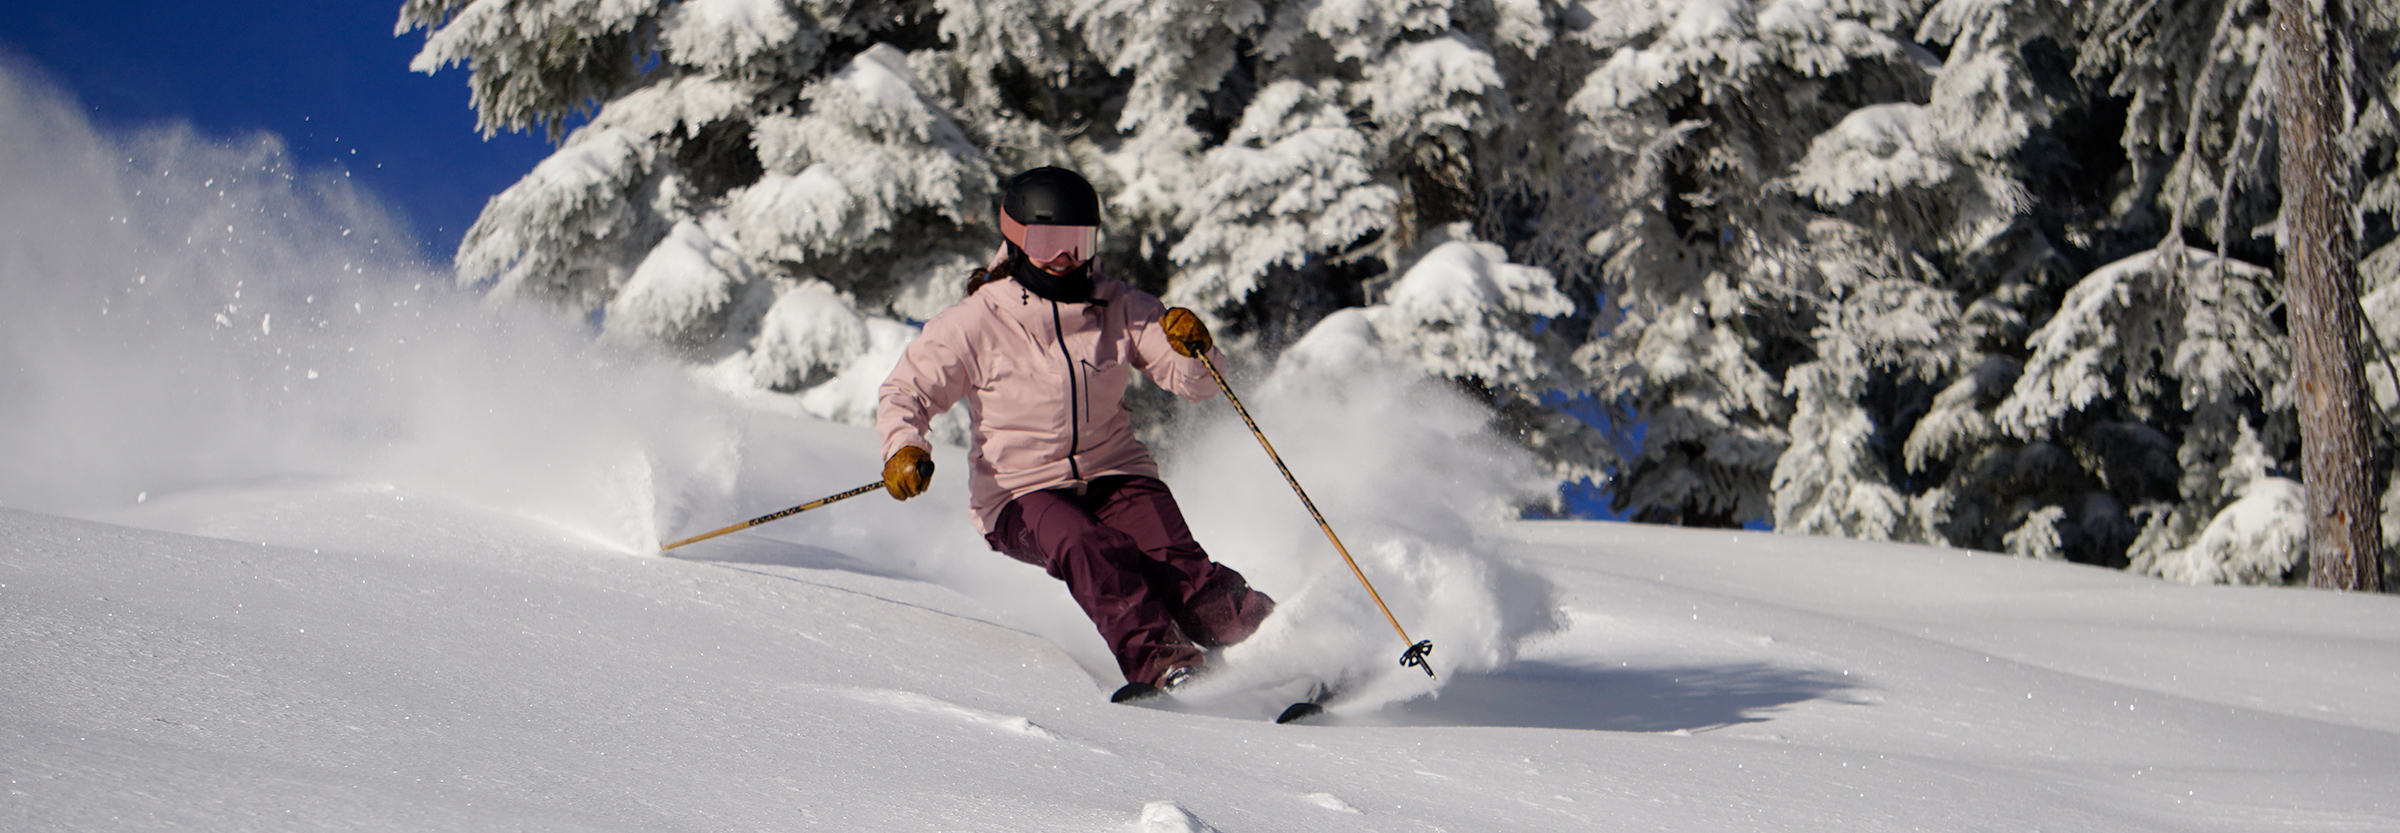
<point x="979" y="277"/>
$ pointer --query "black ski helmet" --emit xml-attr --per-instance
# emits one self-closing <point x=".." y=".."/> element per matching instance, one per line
<point x="1051" y="196"/>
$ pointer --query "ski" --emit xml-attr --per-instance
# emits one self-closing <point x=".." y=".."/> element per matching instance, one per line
<point x="1318" y="696"/>
<point x="1143" y="694"/>
<point x="1135" y="693"/>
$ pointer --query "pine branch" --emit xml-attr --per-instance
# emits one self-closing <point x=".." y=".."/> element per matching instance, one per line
<point x="2201" y="93"/>
<point x="2376" y="339"/>
<point x="2391" y="115"/>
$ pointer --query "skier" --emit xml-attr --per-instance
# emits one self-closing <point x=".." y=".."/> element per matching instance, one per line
<point x="1041" y="350"/>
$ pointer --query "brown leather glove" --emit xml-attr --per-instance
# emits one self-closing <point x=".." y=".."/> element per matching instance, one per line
<point x="907" y="473"/>
<point x="1186" y="333"/>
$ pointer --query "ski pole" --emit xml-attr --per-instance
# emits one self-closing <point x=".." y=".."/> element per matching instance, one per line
<point x="1417" y="651"/>
<point x="778" y="515"/>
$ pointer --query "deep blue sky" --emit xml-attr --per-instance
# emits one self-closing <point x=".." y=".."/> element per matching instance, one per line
<point x="326" y="75"/>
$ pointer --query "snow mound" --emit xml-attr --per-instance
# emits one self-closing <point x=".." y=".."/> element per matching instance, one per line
<point x="1167" y="817"/>
<point x="910" y="701"/>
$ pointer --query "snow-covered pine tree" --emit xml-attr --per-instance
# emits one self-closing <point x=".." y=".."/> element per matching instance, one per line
<point x="2256" y="538"/>
<point x="2199" y="135"/>
<point x="1927" y="251"/>
<point x="1985" y="222"/>
<point x="1694" y="111"/>
<point x="1780" y="234"/>
<point x="2373" y="44"/>
<point x="1949" y="229"/>
<point x="1462" y="311"/>
<point x="2120" y="414"/>
<point x="754" y="182"/>
<point x="1369" y="159"/>
<point x="2061" y="444"/>
<point x="1293" y="186"/>
<point x="1834" y="478"/>
<point x="1937" y="251"/>
<point x="2145" y="378"/>
<point x="2188" y="74"/>
<point x="776" y="186"/>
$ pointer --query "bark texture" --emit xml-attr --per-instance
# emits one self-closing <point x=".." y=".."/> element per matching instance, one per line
<point x="2320" y="262"/>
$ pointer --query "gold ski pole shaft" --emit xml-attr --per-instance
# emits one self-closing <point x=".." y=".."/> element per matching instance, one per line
<point x="1417" y="651"/>
<point x="777" y="516"/>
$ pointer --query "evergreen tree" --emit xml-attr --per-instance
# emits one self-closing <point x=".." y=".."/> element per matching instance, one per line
<point x="2258" y="538"/>
<point x="2372" y="46"/>
<point x="777" y="188"/>
<point x="2109" y="432"/>
<point x="2199" y="134"/>
<point x="1693" y="113"/>
<point x="1978" y="214"/>
<point x="756" y="182"/>
<point x="1990" y="274"/>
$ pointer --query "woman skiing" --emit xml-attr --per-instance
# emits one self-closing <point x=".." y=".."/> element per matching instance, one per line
<point x="1041" y="350"/>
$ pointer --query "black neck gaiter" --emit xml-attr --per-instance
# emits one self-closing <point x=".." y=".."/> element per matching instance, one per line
<point x="1074" y="287"/>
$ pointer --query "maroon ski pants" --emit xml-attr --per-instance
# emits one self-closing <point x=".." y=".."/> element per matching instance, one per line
<point x="1130" y="562"/>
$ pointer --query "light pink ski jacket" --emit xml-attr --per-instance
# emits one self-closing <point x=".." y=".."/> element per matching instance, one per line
<point x="1044" y="384"/>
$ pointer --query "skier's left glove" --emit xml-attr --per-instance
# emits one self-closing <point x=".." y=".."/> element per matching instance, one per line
<point x="1185" y="332"/>
<point x="908" y="472"/>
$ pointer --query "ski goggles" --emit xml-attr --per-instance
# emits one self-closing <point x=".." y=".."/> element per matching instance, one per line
<point x="1045" y="243"/>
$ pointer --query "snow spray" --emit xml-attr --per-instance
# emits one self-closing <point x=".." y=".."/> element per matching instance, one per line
<point x="1419" y="652"/>
<point x="187" y="313"/>
<point x="1409" y="471"/>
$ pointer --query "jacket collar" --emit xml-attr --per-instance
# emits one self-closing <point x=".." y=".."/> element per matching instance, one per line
<point x="1010" y="299"/>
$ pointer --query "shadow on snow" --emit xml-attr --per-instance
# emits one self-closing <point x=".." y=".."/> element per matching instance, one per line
<point x="769" y="552"/>
<point x="1545" y="695"/>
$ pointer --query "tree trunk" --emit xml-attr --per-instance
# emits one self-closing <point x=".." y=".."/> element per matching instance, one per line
<point x="2320" y="267"/>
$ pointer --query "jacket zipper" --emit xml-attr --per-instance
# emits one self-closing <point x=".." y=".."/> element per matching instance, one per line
<point x="1074" y="400"/>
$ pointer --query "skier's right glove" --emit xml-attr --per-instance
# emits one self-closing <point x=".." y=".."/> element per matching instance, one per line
<point x="1185" y="332"/>
<point x="908" y="472"/>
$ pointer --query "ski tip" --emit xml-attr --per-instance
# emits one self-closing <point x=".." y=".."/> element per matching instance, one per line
<point x="1135" y="692"/>
<point x="1299" y="711"/>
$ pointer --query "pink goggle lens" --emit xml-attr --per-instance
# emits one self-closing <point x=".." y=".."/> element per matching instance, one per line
<point x="1044" y="243"/>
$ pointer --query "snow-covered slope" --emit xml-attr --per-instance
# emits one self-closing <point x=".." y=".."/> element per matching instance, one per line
<point x="426" y="665"/>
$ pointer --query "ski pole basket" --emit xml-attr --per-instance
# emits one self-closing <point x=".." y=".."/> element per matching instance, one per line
<point x="1416" y="656"/>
